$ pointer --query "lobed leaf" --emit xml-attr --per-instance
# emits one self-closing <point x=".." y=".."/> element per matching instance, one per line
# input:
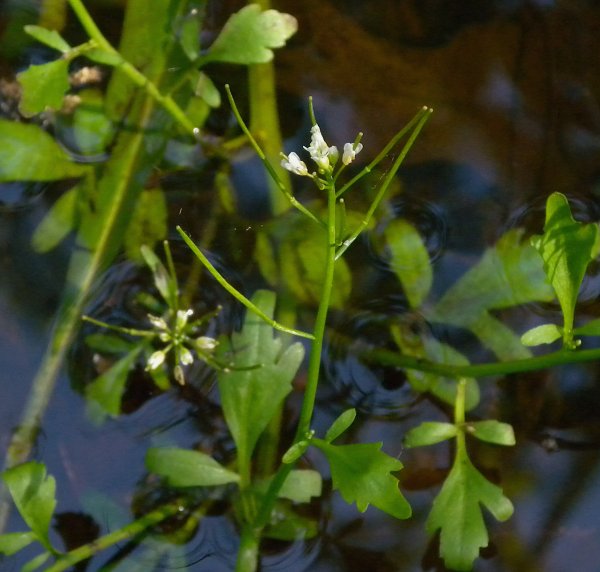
<point x="250" y="35"/>
<point x="185" y="468"/>
<point x="33" y="493"/>
<point x="361" y="473"/>
<point x="457" y="513"/>
<point x="259" y="378"/>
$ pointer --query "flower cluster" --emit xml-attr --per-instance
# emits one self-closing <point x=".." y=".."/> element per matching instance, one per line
<point x="322" y="154"/>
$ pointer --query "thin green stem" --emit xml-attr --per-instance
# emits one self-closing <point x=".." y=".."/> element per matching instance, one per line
<point x="121" y="330"/>
<point x="561" y="357"/>
<point x="138" y="78"/>
<point x="128" y="532"/>
<point x="424" y="111"/>
<point x="423" y="117"/>
<point x="236" y="293"/>
<point x="459" y="418"/>
<point x="261" y="155"/>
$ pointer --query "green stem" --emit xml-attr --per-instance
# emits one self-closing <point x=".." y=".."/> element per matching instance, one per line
<point x="136" y="528"/>
<point x="248" y="552"/>
<point x="236" y="293"/>
<point x="561" y="357"/>
<point x="138" y="78"/>
<point x="459" y="418"/>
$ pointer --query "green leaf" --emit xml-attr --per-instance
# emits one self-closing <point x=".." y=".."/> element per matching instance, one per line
<point x="44" y="87"/>
<point x="409" y="260"/>
<point x="591" y="328"/>
<point x="250" y="397"/>
<point x="104" y="394"/>
<point x="566" y="247"/>
<point x="250" y="35"/>
<point x="457" y="513"/>
<point x="206" y="90"/>
<point x="492" y="431"/>
<point x="301" y="485"/>
<point x="104" y="57"/>
<point x="58" y="222"/>
<point x="185" y="468"/>
<point x="34" y="495"/>
<point x="28" y="153"/>
<point x="148" y="222"/>
<point x="91" y="129"/>
<point x="509" y="274"/>
<point x="15" y="541"/>
<point x="429" y="433"/>
<point x="341" y="424"/>
<point x="361" y="473"/>
<point x="544" y="334"/>
<point x="50" y="38"/>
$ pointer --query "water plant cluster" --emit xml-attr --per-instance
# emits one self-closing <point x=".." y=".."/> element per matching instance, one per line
<point x="158" y="99"/>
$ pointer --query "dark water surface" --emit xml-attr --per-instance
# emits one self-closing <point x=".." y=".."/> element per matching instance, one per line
<point x="515" y="86"/>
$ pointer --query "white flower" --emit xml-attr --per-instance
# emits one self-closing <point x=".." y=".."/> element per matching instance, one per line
<point x="156" y="359"/>
<point x="294" y="164"/>
<point x="323" y="155"/>
<point x="204" y="343"/>
<point x="350" y="152"/>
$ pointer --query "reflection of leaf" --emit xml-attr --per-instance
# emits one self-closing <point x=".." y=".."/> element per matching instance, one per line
<point x="507" y="275"/>
<point x="33" y="493"/>
<point x="185" y="468"/>
<point x="58" y="222"/>
<point x="457" y="513"/>
<point x="250" y="397"/>
<point x="28" y="153"/>
<point x="148" y="222"/>
<point x="409" y="260"/>
<point x="249" y="36"/>
<point x="567" y="247"/>
<point x="44" y="86"/>
<point x="362" y="475"/>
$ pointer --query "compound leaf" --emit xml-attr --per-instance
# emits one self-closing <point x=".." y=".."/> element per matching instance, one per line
<point x="457" y="513"/>
<point x="362" y="474"/>
<point x="185" y="468"/>
<point x="33" y="493"/>
<point x="250" y="35"/>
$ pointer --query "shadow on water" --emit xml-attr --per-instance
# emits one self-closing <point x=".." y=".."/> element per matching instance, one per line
<point x="515" y="87"/>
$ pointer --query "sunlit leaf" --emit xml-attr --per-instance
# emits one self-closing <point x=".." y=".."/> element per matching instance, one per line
<point x="44" y="87"/>
<point x="429" y="433"/>
<point x="50" y="38"/>
<point x="58" y="222"/>
<point x="15" y="541"/>
<point x="341" y="424"/>
<point x="28" y="153"/>
<point x="566" y="247"/>
<point x="492" y="431"/>
<point x="250" y="397"/>
<point x="250" y="35"/>
<point x="33" y="493"/>
<point x="148" y="222"/>
<point x="544" y="334"/>
<point x="104" y="394"/>
<point x="185" y="468"/>
<point x="457" y="513"/>
<point x="301" y="485"/>
<point x="362" y="474"/>
<point x="409" y="260"/>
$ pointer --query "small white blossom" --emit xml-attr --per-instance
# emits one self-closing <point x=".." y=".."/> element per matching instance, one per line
<point x="156" y="359"/>
<point x="204" y="343"/>
<point x="157" y="322"/>
<point x="294" y="164"/>
<point x="323" y="155"/>
<point x="350" y="152"/>
<point x="186" y="356"/>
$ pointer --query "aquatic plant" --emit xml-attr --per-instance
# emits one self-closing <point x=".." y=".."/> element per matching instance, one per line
<point x="264" y="479"/>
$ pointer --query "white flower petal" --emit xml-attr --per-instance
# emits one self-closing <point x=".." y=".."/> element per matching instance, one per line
<point x="350" y="152"/>
<point x="294" y="164"/>
<point x="156" y="359"/>
<point x="204" y="343"/>
<point x="157" y="322"/>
